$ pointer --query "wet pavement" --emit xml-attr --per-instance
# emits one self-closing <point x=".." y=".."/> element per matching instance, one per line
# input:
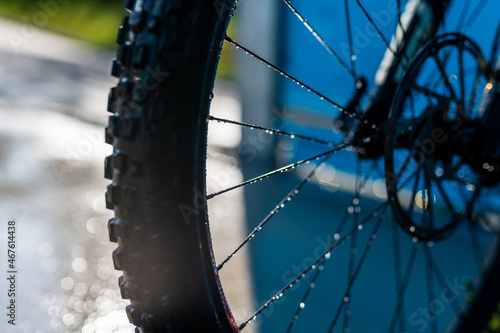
<point x="53" y="95"/>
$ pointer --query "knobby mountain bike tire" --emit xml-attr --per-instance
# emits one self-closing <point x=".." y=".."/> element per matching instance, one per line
<point x="166" y="62"/>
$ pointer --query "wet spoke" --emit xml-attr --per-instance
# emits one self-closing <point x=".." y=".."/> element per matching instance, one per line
<point x="325" y="256"/>
<point x="320" y="39"/>
<point x="321" y="96"/>
<point x="435" y="182"/>
<point x="379" y="33"/>
<point x="302" y="303"/>
<point x="315" y="277"/>
<point x="276" y="209"/>
<point x="349" y="37"/>
<point x="280" y="170"/>
<point x="402" y="290"/>
<point x="444" y="283"/>
<point x="346" y="297"/>
<point x="430" y="285"/>
<point x="273" y="131"/>
<point x="352" y="253"/>
<point x="339" y="229"/>
<point x="398" y="269"/>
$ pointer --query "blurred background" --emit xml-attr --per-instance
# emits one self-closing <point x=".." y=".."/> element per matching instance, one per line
<point x="55" y="68"/>
<point x="55" y="60"/>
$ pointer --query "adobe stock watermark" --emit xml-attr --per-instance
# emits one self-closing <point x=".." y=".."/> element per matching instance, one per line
<point x="421" y="318"/>
<point x="190" y="210"/>
<point x="31" y="27"/>
<point x="151" y="80"/>
<point x="319" y="250"/>
<point x="296" y="270"/>
<point x="257" y="141"/>
<point x="252" y="144"/>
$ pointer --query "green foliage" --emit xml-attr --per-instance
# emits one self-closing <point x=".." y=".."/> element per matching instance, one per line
<point x="95" y="21"/>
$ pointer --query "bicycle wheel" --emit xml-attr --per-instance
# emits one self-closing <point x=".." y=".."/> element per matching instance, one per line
<point x="166" y="63"/>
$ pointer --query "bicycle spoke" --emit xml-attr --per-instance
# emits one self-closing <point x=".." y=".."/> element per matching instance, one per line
<point x="273" y="131"/>
<point x="428" y="92"/>
<point x="316" y="275"/>
<point x="430" y="286"/>
<point x="276" y="209"/>
<point x="444" y="284"/>
<point x="472" y="97"/>
<point x="303" y="85"/>
<point x="445" y="78"/>
<point x="461" y="79"/>
<point x="475" y="13"/>
<point x="400" y="24"/>
<point x="325" y="256"/>
<point x="279" y="170"/>
<point x="379" y="32"/>
<point x="349" y="37"/>
<point x="340" y="227"/>
<point x="405" y="164"/>
<point x="445" y="197"/>
<point x="402" y="290"/>
<point x="302" y="303"/>
<point x="463" y="14"/>
<point x="346" y="299"/>
<point x="411" y="98"/>
<point x="352" y="253"/>
<point x="320" y="39"/>
<point x="398" y="269"/>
